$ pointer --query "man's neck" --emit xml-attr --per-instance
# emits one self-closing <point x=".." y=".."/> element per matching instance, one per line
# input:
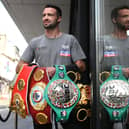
<point x="120" y="34"/>
<point x="53" y="33"/>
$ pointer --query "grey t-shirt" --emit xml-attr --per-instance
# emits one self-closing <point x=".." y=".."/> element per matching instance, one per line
<point x="114" y="52"/>
<point x="63" y="50"/>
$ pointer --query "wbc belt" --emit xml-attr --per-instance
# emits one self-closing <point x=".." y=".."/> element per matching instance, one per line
<point x="19" y="101"/>
<point x="61" y="93"/>
<point x="114" y="94"/>
<point x="38" y="107"/>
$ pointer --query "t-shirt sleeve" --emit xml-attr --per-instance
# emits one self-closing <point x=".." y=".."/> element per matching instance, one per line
<point x="28" y="54"/>
<point x="76" y="51"/>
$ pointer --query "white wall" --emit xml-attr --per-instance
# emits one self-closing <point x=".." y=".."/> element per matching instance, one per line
<point x="27" y="15"/>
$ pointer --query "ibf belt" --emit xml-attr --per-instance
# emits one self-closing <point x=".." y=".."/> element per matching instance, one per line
<point x="61" y="93"/>
<point x="19" y="101"/>
<point x="39" y="109"/>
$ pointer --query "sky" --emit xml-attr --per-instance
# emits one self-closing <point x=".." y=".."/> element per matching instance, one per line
<point x="8" y="27"/>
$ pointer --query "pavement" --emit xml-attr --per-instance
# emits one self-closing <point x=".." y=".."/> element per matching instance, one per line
<point x="10" y="123"/>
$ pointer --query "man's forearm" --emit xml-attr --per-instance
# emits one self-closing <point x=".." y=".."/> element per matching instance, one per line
<point x="19" y="65"/>
<point x="81" y="65"/>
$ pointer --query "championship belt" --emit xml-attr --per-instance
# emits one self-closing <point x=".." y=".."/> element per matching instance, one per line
<point x="61" y="93"/>
<point x="83" y="107"/>
<point x="38" y="107"/>
<point x="19" y="101"/>
<point x="114" y="93"/>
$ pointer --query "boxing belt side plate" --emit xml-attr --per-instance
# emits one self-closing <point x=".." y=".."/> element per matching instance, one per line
<point x="83" y="108"/>
<point x="19" y="101"/>
<point x="38" y="107"/>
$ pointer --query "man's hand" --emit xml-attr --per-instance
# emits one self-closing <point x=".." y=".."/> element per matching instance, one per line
<point x="126" y="72"/>
<point x="19" y="65"/>
<point x="81" y="65"/>
<point x="51" y="71"/>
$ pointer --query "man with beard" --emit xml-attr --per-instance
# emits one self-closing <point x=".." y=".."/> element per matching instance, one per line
<point x="53" y="48"/>
<point x="114" y="50"/>
<point x="115" y="46"/>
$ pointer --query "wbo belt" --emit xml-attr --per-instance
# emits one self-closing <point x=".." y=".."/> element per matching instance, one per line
<point x="61" y="93"/>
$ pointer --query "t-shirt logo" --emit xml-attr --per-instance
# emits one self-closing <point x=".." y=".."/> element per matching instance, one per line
<point x="109" y="51"/>
<point x="112" y="53"/>
<point x="65" y="51"/>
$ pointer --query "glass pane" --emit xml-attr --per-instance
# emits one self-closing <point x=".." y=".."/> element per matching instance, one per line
<point x="112" y="43"/>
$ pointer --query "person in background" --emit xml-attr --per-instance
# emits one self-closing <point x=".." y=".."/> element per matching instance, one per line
<point x="53" y="48"/>
<point x="114" y="49"/>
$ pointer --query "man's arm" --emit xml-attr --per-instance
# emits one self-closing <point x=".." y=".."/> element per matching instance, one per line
<point x="81" y="65"/>
<point x="125" y="72"/>
<point x="19" y="65"/>
<point x="78" y="66"/>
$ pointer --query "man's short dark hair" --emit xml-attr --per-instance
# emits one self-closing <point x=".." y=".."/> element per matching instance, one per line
<point x="114" y="13"/>
<point x="58" y="9"/>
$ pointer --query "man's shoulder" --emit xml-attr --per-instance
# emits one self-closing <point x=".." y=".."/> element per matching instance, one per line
<point x="102" y="38"/>
<point x="36" y="41"/>
<point x="68" y="35"/>
<point x="38" y="38"/>
<point x="107" y="36"/>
